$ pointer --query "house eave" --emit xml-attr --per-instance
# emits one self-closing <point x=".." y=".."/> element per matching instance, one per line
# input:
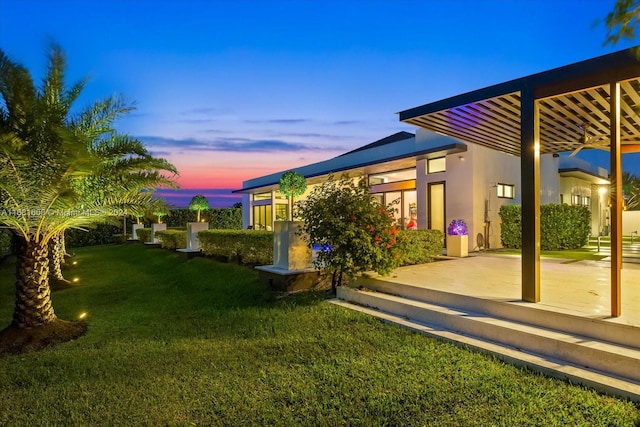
<point x="584" y="175"/>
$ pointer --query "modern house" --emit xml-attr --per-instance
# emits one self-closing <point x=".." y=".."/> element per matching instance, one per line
<point x="434" y="179"/>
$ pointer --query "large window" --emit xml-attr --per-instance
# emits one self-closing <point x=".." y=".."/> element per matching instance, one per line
<point x="262" y="196"/>
<point x="436" y="165"/>
<point x="405" y="212"/>
<point x="262" y="217"/>
<point x="282" y="212"/>
<point x="392" y="176"/>
<point x="506" y="191"/>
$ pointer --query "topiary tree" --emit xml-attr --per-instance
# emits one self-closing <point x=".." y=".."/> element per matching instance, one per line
<point x="292" y="185"/>
<point x="353" y="232"/>
<point x="198" y="203"/>
<point x="159" y="209"/>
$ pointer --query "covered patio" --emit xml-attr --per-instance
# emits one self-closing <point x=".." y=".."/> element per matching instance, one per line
<point x="590" y="104"/>
<point x="577" y="288"/>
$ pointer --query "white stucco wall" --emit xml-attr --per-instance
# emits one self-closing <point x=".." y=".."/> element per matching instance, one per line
<point x="549" y="179"/>
<point x="246" y="210"/>
<point x="630" y="222"/>
<point x="488" y="168"/>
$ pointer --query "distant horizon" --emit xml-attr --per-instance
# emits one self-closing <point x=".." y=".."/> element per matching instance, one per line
<point x="217" y="197"/>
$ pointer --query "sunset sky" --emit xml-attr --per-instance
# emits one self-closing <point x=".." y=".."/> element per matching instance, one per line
<point x="232" y="90"/>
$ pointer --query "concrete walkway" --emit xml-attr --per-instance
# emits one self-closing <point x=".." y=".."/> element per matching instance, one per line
<point x="579" y="288"/>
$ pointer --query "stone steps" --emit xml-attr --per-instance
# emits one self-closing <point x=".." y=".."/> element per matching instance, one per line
<point x="600" y="354"/>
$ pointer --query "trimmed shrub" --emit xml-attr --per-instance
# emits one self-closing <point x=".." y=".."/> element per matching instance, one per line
<point x="419" y="246"/>
<point x="253" y="247"/>
<point x="144" y="234"/>
<point x="101" y="234"/>
<point x="172" y="239"/>
<point x="561" y="226"/>
<point x="564" y="226"/>
<point x="511" y="227"/>
<point x="218" y="218"/>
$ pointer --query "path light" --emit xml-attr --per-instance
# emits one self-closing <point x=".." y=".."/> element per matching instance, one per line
<point x="83" y="315"/>
<point x="76" y="279"/>
<point x="74" y="263"/>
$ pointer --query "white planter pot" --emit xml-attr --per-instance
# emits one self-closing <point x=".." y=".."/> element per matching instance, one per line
<point x="290" y="251"/>
<point x="134" y="231"/>
<point x="192" y="234"/>
<point x="156" y="227"/>
<point x="458" y="246"/>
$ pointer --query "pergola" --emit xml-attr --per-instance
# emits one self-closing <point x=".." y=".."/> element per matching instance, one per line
<point x="589" y="104"/>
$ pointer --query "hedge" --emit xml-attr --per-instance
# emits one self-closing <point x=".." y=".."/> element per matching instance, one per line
<point x="218" y="218"/>
<point x="419" y="246"/>
<point x="511" y="227"/>
<point x="172" y="239"/>
<point x="101" y="234"/>
<point x="253" y="247"/>
<point x="144" y="234"/>
<point x="561" y="226"/>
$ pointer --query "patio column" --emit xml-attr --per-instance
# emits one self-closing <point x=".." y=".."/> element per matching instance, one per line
<point x="616" y="199"/>
<point x="530" y="183"/>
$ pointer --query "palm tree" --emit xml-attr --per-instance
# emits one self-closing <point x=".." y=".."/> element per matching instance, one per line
<point x="631" y="190"/>
<point x="39" y="159"/>
<point x="47" y="160"/>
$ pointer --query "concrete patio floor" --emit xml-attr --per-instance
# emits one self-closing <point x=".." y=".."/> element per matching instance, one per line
<point x="580" y="288"/>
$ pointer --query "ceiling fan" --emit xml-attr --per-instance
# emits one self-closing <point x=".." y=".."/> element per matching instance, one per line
<point x="598" y="141"/>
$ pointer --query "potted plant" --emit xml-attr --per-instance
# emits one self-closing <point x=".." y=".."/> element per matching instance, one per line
<point x="458" y="239"/>
<point x="292" y="184"/>
<point x="290" y="251"/>
<point x="198" y="203"/>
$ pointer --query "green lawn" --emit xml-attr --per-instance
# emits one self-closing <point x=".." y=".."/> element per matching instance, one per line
<point x="176" y="342"/>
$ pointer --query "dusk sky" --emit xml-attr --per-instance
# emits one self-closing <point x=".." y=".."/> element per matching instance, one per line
<point x="233" y="90"/>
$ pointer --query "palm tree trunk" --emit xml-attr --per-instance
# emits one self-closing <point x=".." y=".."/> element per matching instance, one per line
<point x="33" y="295"/>
<point x="63" y="249"/>
<point x="56" y="259"/>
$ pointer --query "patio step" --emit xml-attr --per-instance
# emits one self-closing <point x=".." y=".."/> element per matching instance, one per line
<point x="518" y="311"/>
<point x="599" y="363"/>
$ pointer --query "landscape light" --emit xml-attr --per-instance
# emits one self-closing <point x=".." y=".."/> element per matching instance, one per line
<point x="76" y="279"/>
<point x="82" y="315"/>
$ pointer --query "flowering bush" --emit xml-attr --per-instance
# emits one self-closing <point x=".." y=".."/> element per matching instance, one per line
<point x="353" y="232"/>
<point x="457" y="228"/>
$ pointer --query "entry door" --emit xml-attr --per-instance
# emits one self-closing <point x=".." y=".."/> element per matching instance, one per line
<point x="436" y="206"/>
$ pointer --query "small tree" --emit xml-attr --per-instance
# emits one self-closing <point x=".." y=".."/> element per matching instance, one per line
<point x="292" y="185"/>
<point x="159" y="209"/>
<point x="199" y="203"/>
<point x="354" y="232"/>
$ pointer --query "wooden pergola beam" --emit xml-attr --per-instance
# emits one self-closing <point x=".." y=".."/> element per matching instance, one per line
<point x="530" y="184"/>
<point x="616" y="195"/>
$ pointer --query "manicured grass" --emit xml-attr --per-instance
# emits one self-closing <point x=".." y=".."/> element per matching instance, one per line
<point x="177" y="342"/>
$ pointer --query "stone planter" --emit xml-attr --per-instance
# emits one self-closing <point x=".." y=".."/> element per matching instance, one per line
<point x="290" y="251"/>
<point x="458" y="246"/>
<point x="134" y="231"/>
<point x="192" y="234"/>
<point x="156" y="227"/>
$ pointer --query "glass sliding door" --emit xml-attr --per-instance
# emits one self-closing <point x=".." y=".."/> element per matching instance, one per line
<point x="436" y="196"/>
